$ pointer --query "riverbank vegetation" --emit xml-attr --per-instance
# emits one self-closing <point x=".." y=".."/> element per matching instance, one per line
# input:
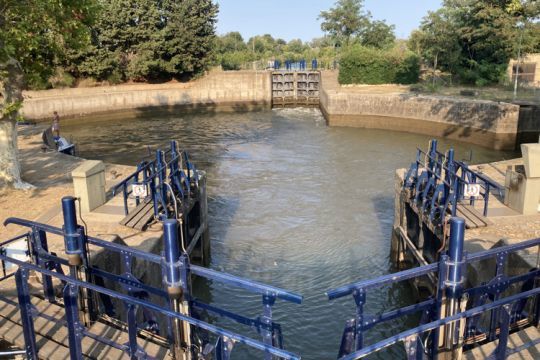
<point x="472" y="41"/>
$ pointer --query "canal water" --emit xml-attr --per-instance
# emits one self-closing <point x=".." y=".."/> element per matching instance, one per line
<point x="292" y="203"/>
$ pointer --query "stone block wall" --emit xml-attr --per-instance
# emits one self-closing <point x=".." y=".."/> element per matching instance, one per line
<point x="238" y="89"/>
<point x="485" y="123"/>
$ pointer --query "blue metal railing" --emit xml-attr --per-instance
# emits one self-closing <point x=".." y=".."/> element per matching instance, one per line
<point x="177" y="273"/>
<point x="502" y="352"/>
<point x="438" y="182"/>
<point x="445" y="306"/>
<point x="3" y="251"/>
<point x="296" y="65"/>
<point x="169" y="177"/>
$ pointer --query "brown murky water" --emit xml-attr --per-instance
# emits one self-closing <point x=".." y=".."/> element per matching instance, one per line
<point x="292" y="202"/>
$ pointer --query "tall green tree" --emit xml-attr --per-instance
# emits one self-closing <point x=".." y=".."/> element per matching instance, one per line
<point x="149" y="40"/>
<point x="232" y="41"/>
<point x="34" y="36"/>
<point x="378" y="34"/>
<point x="189" y="35"/>
<point x="475" y="39"/>
<point x="345" y="20"/>
<point x="437" y="41"/>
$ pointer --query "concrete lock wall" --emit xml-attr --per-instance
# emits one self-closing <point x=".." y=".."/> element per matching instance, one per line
<point x="239" y="89"/>
<point x="485" y="123"/>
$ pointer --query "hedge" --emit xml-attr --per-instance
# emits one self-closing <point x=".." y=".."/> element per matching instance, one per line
<point x="363" y="65"/>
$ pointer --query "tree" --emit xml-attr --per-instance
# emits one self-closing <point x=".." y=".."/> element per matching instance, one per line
<point x="232" y="41"/>
<point x="34" y="36"/>
<point x="150" y="40"/>
<point x="344" y="20"/>
<point x="347" y="21"/>
<point x="437" y="41"/>
<point x="378" y="34"/>
<point x="189" y="36"/>
<point x="475" y="39"/>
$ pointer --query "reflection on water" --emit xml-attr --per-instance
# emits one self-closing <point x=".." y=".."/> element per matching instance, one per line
<point x="292" y="202"/>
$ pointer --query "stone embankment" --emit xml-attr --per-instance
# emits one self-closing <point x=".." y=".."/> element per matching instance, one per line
<point x="487" y="123"/>
<point x="234" y="90"/>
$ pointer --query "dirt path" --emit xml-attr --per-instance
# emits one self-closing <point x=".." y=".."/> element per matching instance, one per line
<point x="50" y="173"/>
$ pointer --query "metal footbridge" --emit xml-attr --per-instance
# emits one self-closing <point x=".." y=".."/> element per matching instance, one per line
<point x="67" y="307"/>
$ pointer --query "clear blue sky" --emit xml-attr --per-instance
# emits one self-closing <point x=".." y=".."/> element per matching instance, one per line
<point x="292" y="19"/>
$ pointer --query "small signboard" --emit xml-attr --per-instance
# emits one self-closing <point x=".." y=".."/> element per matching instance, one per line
<point x="472" y="190"/>
<point x="139" y="190"/>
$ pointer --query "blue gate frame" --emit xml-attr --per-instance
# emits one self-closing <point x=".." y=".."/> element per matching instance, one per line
<point x="437" y="182"/>
<point x="168" y="178"/>
<point x="85" y="278"/>
<point x="505" y="313"/>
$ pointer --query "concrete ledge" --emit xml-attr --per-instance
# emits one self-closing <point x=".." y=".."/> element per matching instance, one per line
<point x="497" y="141"/>
<point x="485" y="123"/>
<point x="235" y="90"/>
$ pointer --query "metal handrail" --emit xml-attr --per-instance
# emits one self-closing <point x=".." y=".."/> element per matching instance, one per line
<point x="448" y="282"/>
<point x="425" y="269"/>
<point x="135" y="301"/>
<point x="438" y="323"/>
<point x="434" y="164"/>
<point x="156" y="170"/>
<point x="210" y="274"/>
<point x="12" y="240"/>
<point x="131" y="176"/>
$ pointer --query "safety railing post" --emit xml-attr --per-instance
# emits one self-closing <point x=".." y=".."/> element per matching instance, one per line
<point x="40" y="246"/>
<point x="161" y="175"/>
<point x="449" y="173"/>
<point x="25" y="306"/>
<point x="188" y="169"/>
<point x="75" y="248"/>
<point x="431" y="157"/>
<point x="455" y="278"/>
<point x="136" y="181"/>
<point x="500" y="352"/>
<point x="486" y="198"/>
<point x="72" y="242"/>
<point x="175" y="168"/>
<point x="153" y="190"/>
<point x="132" y="331"/>
<point x="360" y="300"/>
<point x="74" y="326"/>
<point x="439" y="305"/>
<point x="175" y="288"/>
<point x="266" y="319"/>
<point x="125" y="195"/>
<point x="495" y="313"/>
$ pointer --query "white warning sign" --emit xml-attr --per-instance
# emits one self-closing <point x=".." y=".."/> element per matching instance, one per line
<point x="472" y="190"/>
<point x="139" y="190"/>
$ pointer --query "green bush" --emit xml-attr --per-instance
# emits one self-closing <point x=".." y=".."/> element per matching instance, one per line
<point x="362" y="65"/>
<point x="61" y="79"/>
<point x="483" y="74"/>
<point x="234" y="60"/>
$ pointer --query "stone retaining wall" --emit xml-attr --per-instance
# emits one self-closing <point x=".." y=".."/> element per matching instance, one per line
<point x="236" y="89"/>
<point x="485" y="123"/>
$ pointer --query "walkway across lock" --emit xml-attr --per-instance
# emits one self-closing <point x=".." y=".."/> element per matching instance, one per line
<point x="82" y="310"/>
<point x="460" y="318"/>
